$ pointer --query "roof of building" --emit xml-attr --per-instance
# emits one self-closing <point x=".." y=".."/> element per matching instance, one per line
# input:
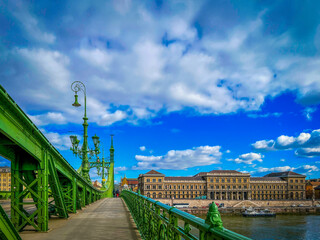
<point x="132" y="181"/>
<point x="197" y="178"/>
<point x="266" y="179"/>
<point x="153" y="172"/>
<point x="5" y="169"/>
<point x="314" y="183"/>
<point x="224" y="171"/>
<point x="284" y="174"/>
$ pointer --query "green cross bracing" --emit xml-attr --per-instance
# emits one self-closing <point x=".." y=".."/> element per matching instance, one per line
<point x="39" y="170"/>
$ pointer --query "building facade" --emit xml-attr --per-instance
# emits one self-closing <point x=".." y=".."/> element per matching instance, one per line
<point x="224" y="185"/>
<point x="129" y="184"/>
<point x="5" y="179"/>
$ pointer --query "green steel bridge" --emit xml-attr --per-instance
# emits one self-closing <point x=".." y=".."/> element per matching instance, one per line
<point x="56" y="188"/>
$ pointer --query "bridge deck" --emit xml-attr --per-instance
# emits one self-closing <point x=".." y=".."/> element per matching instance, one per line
<point x="105" y="219"/>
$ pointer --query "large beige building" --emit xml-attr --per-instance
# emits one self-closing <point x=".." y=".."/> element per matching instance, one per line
<point x="224" y="185"/>
<point x="5" y="179"/>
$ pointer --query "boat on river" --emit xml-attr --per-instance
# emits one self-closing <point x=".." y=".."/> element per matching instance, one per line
<point x="250" y="212"/>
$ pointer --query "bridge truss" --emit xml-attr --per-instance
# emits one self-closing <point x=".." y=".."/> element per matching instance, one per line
<point x="40" y="171"/>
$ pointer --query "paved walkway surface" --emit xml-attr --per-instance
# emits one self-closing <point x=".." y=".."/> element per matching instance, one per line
<point x="105" y="219"/>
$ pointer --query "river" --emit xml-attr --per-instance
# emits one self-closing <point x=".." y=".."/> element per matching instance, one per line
<point x="297" y="227"/>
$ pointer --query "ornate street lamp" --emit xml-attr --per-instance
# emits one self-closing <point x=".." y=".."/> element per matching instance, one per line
<point x="76" y="87"/>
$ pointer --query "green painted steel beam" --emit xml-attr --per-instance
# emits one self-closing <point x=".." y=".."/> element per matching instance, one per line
<point x="35" y="165"/>
<point x="7" y="230"/>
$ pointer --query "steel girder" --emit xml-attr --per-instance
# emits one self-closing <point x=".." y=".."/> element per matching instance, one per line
<point x="37" y="168"/>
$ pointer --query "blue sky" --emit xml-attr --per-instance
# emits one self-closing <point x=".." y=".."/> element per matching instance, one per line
<point x="185" y="86"/>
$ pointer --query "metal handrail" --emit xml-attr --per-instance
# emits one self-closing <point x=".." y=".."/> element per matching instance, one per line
<point x="156" y="220"/>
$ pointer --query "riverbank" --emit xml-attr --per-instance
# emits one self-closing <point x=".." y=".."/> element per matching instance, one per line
<point x="236" y="211"/>
<point x="231" y="207"/>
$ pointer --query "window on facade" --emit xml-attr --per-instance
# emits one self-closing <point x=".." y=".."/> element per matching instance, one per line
<point x="211" y="180"/>
<point x="222" y="186"/>
<point x="154" y="187"/>
<point x="154" y="180"/>
<point x="148" y="180"/>
<point x="196" y="187"/>
<point x="154" y="195"/>
<point x="159" y="187"/>
<point x="222" y="180"/>
<point x="187" y="186"/>
<point x="291" y="181"/>
<point x="178" y="186"/>
<point x="174" y="186"/>
<point x="200" y="187"/>
<point x="148" y="186"/>
<point x="245" y="180"/>
<point x="228" y="180"/>
<point x="211" y="187"/>
<point x="159" y="195"/>
<point x="301" y="181"/>
<point x="191" y="186"/>
<point x="296" y="181"/>
<point x="234" y="180"/>
<point x="228" y="187"/>
<point x="159" y="180"/>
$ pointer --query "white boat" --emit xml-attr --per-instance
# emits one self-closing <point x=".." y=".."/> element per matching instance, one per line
<point x="250" y="212"/>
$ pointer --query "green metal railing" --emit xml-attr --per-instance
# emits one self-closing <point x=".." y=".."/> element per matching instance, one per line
<point x="156" y="220"/>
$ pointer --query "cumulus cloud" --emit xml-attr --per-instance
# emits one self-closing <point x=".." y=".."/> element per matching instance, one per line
<point x="120" y="169"/>
<point x="181" y="159"/>
<point x="155" y="61"/>
<point x="29" y="23"/>
<point x="60" y="141"/>
<point x="48" y="118"/>
<point x="248" y="158"/>
<point x="306" y="144"/>
<point x="142" y="148"/>
<point x="265" y="115"/>
<point x="308" y="112"/>
<point x="305" y="169"/>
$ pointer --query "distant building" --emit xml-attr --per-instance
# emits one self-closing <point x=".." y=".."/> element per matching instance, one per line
<point x="5" y="179"/>
<point x="310" y="189"/>
<point x="96" y="184"/>
<point x="317" y="192"/>
<point x="224" y="185"/>
<point x="129" y="184"/>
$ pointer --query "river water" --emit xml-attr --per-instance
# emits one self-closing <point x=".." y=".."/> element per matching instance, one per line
<point x="281" y="227"/>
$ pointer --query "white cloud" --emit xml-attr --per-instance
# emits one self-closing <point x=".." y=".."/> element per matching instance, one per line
<point x="248" y="158"/>
<point x="305" y="169"/>
<point x="96" y="57"/>
<point x="109" y="118"/>
<point x="308" y="111"/>
<point x="152" y="64"/>
<point x="29" y="23"/>
<point x="265" y="115"/>
<point x="282" y="160"/>
<point x="48" y="118"/>
<point x="306" y="144"/>
<point x="142" y="148"/>
<point x="264" y="145"/>
<point x="275" y="169"/>
<point x="120" y="169"/>
<point x="60" y="141"/>
<point x="181" y="159"/>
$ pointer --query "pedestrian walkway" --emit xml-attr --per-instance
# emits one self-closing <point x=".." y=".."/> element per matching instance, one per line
<point x="105" y="219"/>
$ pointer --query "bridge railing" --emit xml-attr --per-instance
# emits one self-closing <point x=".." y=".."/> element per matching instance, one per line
<point x="156" y="220"/>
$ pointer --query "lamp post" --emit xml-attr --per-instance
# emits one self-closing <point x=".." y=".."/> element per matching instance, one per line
<point x="76" y="87"/>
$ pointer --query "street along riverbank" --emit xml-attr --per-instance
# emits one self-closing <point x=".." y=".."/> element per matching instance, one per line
<point x="235" y="211"/>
